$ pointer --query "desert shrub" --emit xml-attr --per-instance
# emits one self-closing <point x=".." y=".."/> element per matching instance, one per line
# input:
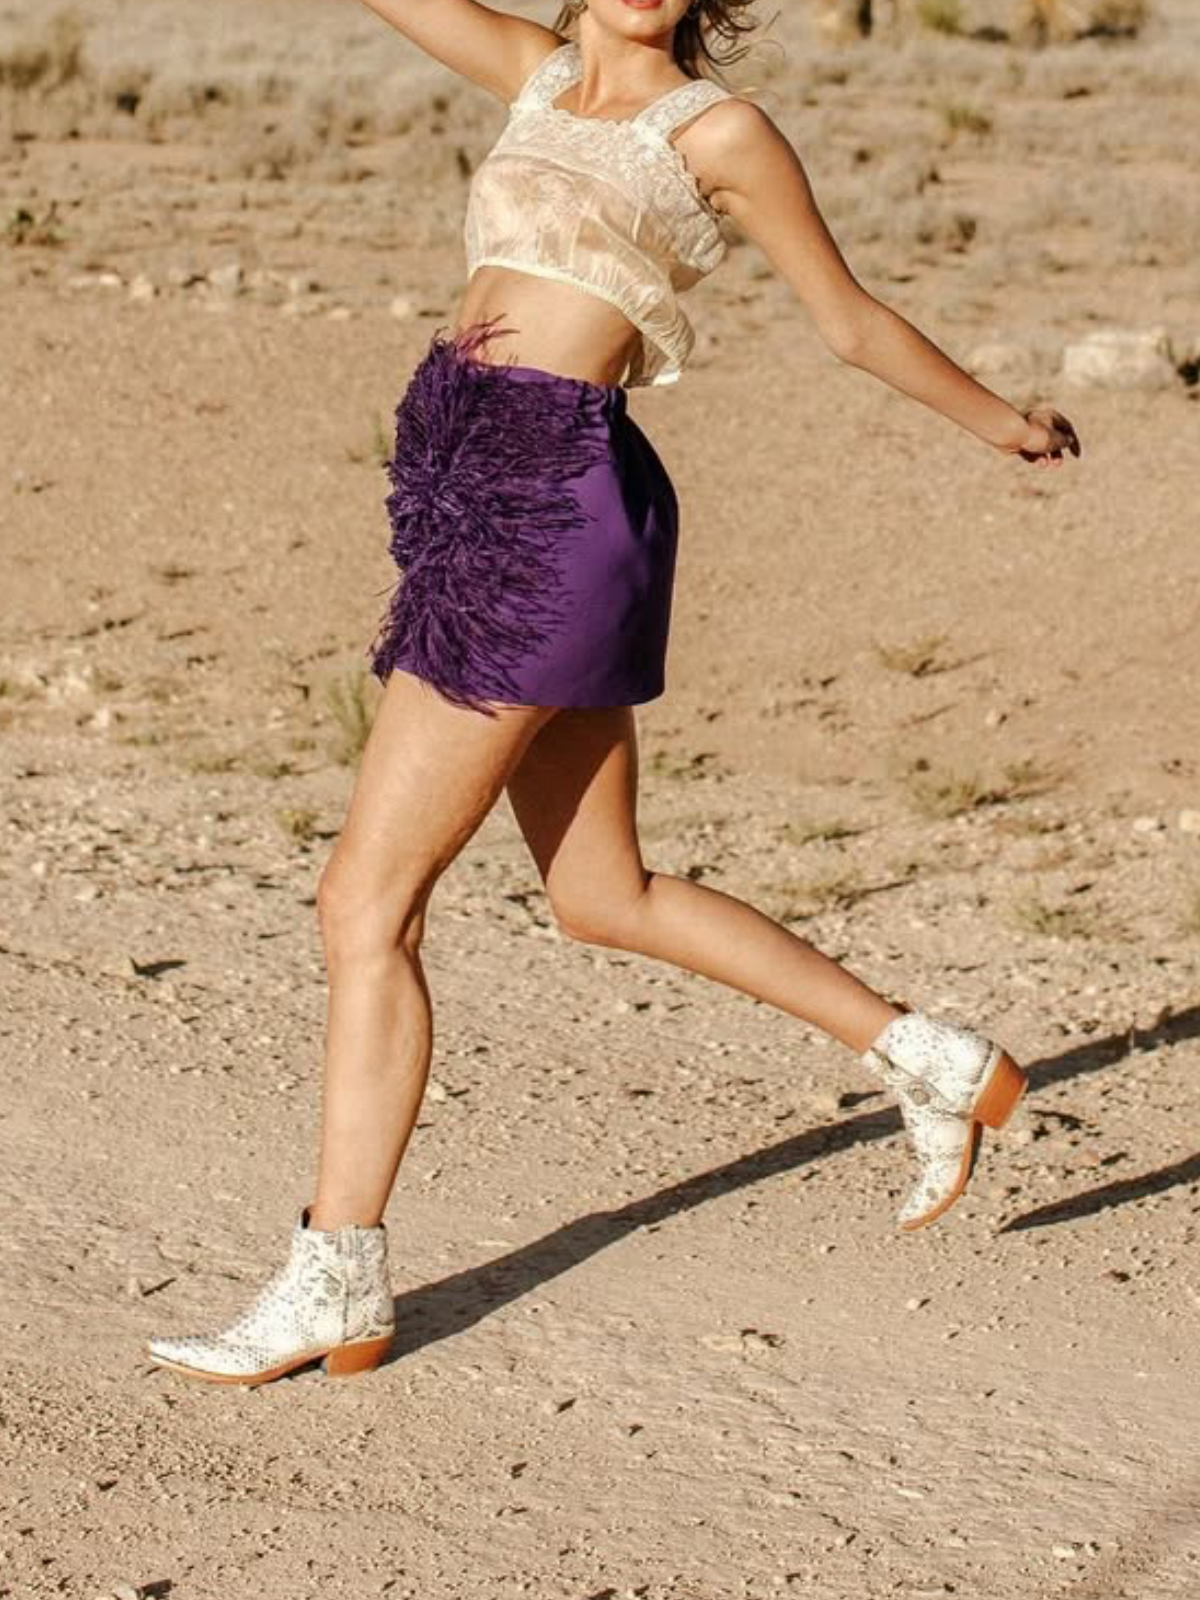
<point x="940" y="16"/>
<point x="48" y="57"/>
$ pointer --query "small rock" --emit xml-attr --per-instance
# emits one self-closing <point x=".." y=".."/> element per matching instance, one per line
<point x="1121" y="358"/>
<point x="340" y="314"/>
<point x="108" y="280"/>
<point x="916" y="1303"/>
<point x="142" y="289"/>
<point x="183" y="277"/>
<point x="401" y="307"/>
<point x="1189" y="821"/>
<point x="1147" y="824"/>
<point x="437" y="1093"/>
<point x="1001" y="359"/>
<point x="994" y="717"/>
<point x="302" y="283"/>
<point x="1065" y="1552"/>
<point x="227" y="280"/>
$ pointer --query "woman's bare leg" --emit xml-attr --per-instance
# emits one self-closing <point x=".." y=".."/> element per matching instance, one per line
<point x="430" y="773"/>
<point x="575" y="798"/>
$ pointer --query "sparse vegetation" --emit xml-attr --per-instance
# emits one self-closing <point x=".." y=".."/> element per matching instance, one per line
<point x="347" y="701"/>
<point x="50" y="56"/>
<point x="1035" y="915"/>
<point x="1189" y="923"/>
<point x="918" y="659"/>
<point x="940" y="16"/>
<point x="939" y="795"/>
<point x="378" y="451"/>
<point x="298" y="822"/>
<point x="25" y="227"/>
<point x="802" y="833"/>
<point x="960" y="118"/>
<point x="798" y="899"/>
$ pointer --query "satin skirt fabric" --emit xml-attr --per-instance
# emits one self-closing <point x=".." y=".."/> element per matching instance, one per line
<point x="535" y="530"/>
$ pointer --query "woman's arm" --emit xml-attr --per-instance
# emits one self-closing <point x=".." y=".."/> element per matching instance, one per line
<point x="492" y="49"/>
<point x="756" y="177"/>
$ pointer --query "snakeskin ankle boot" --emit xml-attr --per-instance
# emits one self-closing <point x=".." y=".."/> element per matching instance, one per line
<point x="331" y="1301"/>
<point x="950" y="1083"/>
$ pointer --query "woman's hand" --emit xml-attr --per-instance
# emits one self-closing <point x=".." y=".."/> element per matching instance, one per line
<point x="1047" y="434"/>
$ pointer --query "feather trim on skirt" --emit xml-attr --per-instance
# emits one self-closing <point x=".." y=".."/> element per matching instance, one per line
<point x="482" y="515"/>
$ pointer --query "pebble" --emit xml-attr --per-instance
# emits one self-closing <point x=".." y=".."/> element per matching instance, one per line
<point x="227" y="279"/>
<point x="1147" y="824"/>
<point x="401" y="307"/>
<point x="1189" y="821"/>
<point x="142" y="288"/>
<point x="916" y="1303"/>
<point x="1065" y="1552"/>
<point x="1121" y="358"/>
<point x="340" y="314"/>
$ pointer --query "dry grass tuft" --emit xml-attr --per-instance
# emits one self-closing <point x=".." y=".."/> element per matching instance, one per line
<point x="1058" y="21"/>
<point x="941" y="16"/>
<point x="797" y="899"/>
<point x="918" y="659"/>
<point x="298" y="822"/>
<point x="47" y="58"/>
<point x="352" y="715"/>
<point x="940" y="795"/>
<point x="24" y="227"/>
<point x="377" y="452"/>
<point x="960" y="118"/>
<point x="1189" y="922"/>
<point x="1034" y="915"/>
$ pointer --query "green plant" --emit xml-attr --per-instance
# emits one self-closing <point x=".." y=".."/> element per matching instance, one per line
<point x="23" y="227"/>
<point x="941" y="16"/>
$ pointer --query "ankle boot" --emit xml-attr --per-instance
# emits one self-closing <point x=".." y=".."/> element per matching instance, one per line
<point x="950" y="1083"/>
<point x="331" y="1301"/>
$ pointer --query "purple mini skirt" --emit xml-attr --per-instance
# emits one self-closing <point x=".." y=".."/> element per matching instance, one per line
<point x="534" y="528"/>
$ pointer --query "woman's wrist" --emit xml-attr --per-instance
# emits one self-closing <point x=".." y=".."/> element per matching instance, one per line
<point x="1008" y="430"/>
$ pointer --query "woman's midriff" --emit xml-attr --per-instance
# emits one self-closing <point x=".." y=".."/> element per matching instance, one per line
<point x="548" y="324"/>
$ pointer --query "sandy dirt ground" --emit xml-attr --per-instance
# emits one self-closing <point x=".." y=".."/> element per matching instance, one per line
<point x="658" y="1334"/>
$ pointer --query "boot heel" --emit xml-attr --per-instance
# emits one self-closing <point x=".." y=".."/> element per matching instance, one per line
<point x="364" y="1356"/>
<point x="999" y="1100"/>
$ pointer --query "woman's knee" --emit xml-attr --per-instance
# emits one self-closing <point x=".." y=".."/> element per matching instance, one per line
<point x="361" y="915"/>
<point x="602" y="917"/>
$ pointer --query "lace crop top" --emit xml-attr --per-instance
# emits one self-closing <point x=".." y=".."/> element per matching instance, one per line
<point x="609" y="206"/>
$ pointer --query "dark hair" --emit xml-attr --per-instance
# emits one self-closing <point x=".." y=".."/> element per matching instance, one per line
<point x="695" y="37"/>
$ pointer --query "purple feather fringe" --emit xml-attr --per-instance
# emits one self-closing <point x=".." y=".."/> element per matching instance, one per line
<point x="480" y="508"/>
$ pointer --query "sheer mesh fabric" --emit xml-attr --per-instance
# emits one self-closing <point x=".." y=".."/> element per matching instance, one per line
<point x="608" y="206"/>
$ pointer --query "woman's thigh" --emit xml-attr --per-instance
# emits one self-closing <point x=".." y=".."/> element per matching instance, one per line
<point x="430" y="773"/>
<point x="574" y="794"/>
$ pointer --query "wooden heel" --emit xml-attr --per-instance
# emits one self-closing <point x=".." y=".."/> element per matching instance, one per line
<point x="999" y="1100"/>
<point x="364" y="1356"/>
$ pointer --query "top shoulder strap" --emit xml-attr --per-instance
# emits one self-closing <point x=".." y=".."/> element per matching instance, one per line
<point x="553" y="74"/>
<point x="680" y="105"/>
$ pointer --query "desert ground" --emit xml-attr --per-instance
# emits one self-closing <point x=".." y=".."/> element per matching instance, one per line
<point x="935" y="708"/>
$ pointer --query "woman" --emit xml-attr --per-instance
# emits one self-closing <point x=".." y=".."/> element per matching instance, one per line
<point x="535" y="529"/>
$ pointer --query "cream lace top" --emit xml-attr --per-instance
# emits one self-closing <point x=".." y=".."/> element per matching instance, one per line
<point x="609" y="206"/>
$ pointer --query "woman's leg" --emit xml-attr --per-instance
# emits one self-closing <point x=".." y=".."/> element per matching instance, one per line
<point x="575" y="798"/>
<point x="430" y="773"/>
